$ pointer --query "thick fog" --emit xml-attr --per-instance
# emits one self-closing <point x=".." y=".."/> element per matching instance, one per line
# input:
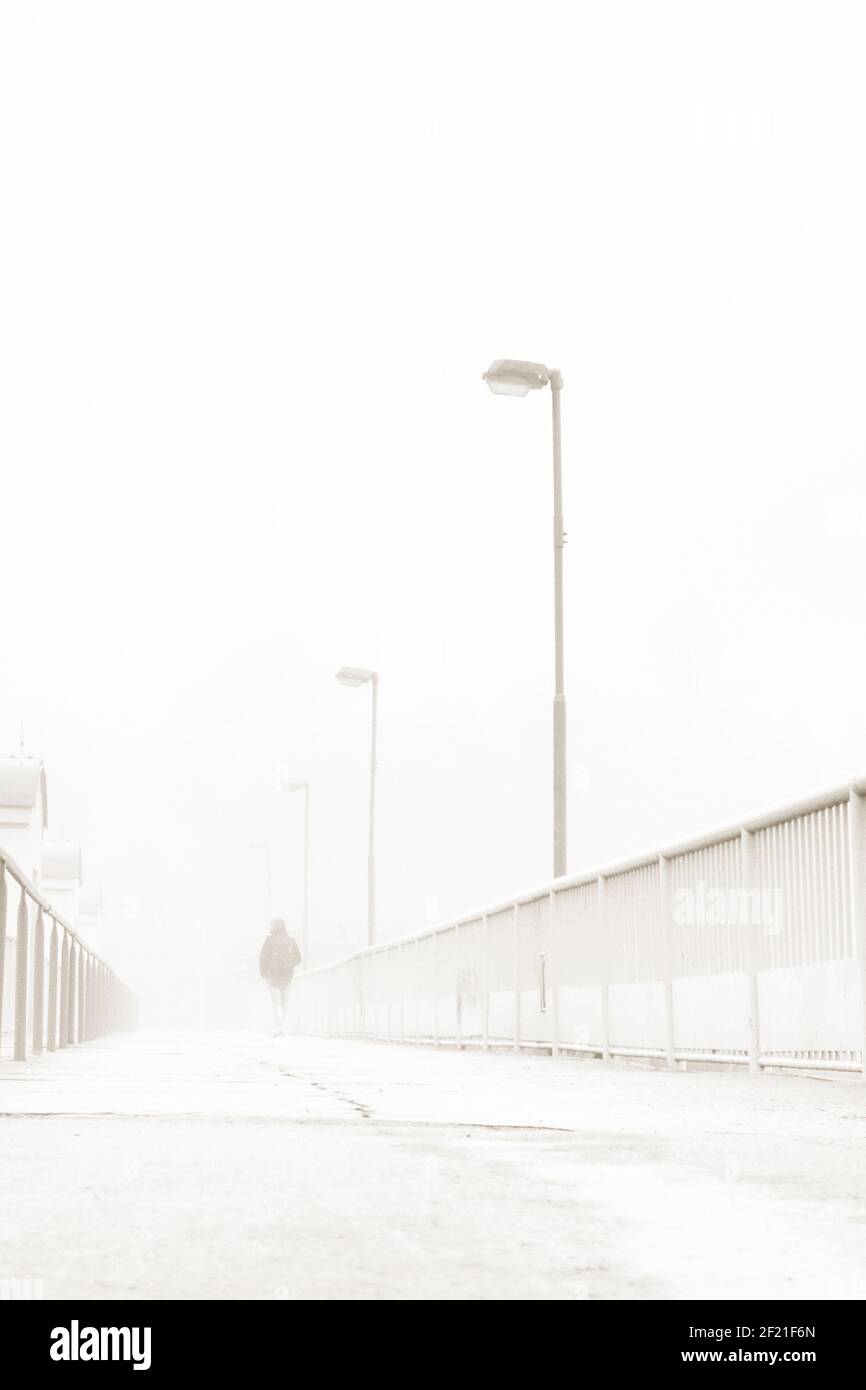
<point x="252" y="270"/>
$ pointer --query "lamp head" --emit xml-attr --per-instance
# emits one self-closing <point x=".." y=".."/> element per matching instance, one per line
<point x="290" y="784"/>
<point x="355" y="675"/>
<point x="508" y="377"/>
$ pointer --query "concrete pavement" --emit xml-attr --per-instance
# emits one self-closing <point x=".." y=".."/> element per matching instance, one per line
<point x="189" y="1165"/>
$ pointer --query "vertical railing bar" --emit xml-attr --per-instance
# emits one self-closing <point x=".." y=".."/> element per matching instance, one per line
<point x="823" y="895"/>
<point x="747" y="874"/>
<point x="485" y="967"/>
<point x="51" y="1034"/>
<point x="857" y="890"/>
<point x="812" y="829"/>
<point x="63" y="1037"/>
<point x="516" y="1025"/>
<point x="22" y="933"/>
<point x="434" y="970"/>
<point x="552" y="908"/>
<point x="419" y="973"/>
<point x="666" y="934"/>
<point x="38" y="983"/>
<point x="458" y="997"/>
<point x="82" y="994"/>
<point x="839" y="943"/>
<point x="72" y="1014"/>
<point x="606" y="964"/>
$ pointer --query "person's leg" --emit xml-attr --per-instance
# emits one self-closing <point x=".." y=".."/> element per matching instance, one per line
<point x="284" y="1005"/>
<point x="276" y="1004"/>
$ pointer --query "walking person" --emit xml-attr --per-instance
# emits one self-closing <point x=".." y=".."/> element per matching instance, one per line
<point x="277" y="960"/>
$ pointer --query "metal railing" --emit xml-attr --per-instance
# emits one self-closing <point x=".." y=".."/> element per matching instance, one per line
<point x="63" y="992"/>
<point x="743" y="944"/>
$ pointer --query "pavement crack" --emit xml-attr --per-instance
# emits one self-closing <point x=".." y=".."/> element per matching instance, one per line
<point x="358" y="1106"/>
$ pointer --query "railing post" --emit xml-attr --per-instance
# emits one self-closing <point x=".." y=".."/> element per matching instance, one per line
<point x="516" y="1042"/>
<point x="857" y="872"/>
<point x="419" y="988"/>
<point x="434" y="949"/>
<point x="747" y="874"/>
<point x="21" y="944"/>
<point x="72" y="1012"/>
<point x="458" y="980"/>
<point x="82" y="994"/>
<point x="63" y="1037"/>
<point x="38" y="983"/>
<point x="553" y="982"/>
<point x="2" y="939"/>
<point x="51" y="1032"/>
<point x="93" y="1005"/>
<point x="605" y="968"/>
<point x="88" y="999"/>
<point x="485" y="966"/>
<point x="667" y="936"/>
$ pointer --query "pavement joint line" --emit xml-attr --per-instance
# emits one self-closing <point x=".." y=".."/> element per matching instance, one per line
<point x="221" y="1117"/>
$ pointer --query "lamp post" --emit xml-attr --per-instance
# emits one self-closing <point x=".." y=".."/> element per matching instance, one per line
<point x="288" y="784"/>
<point x="507" y="377"/>
<point x="266" y="849"/>
<point x="359" y="675"/>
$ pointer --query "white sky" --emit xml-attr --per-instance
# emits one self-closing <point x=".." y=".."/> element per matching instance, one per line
<point x="253" y="260"/>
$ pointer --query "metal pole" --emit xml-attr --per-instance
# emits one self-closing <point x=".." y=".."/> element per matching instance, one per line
<point x="559" y="720"/>
<point x="21" y="963"/>
<point x="667" y="938"/>
<point x="51" y="1037"/>
<point x="72" y="1014"/>
<point x="371" y="860"/>
<point x="857" y="891"/>
<point x="63" y="1034"/>
<point x="306" y="918"/>
<point x="747" y="882"/>
<point x="38" y="983"/>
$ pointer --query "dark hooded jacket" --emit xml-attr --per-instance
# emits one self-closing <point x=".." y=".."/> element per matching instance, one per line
<point x="279" y="956"/>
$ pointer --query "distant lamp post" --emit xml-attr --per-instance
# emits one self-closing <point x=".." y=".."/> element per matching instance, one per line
<point x="288" y="784"/>
<point x="359" y="675"/>
<point x="264" y="847"/>
<point x="507" y="377"/>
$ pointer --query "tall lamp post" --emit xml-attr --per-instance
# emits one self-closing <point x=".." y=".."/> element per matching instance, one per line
<point x="287" y="784"/>
<point x="359" y="675"/>
<point x="506" y="377"/>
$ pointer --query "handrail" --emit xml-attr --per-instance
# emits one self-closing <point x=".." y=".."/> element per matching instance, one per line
<point x="84" y="997"/>
<point x="729" y="830"/>
<point x="39" y="898"/>
<point x="744" y="942"/>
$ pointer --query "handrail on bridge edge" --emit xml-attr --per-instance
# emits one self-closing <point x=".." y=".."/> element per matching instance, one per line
<point x="70" y="996"/>
<point x="729" y="830"/>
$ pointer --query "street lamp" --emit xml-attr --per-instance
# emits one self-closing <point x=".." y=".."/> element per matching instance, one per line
<point x="287" y="784"/>
<point x="359" y="675"/>
<point x="266" y="849"/>
<point x="507" y="377"/>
